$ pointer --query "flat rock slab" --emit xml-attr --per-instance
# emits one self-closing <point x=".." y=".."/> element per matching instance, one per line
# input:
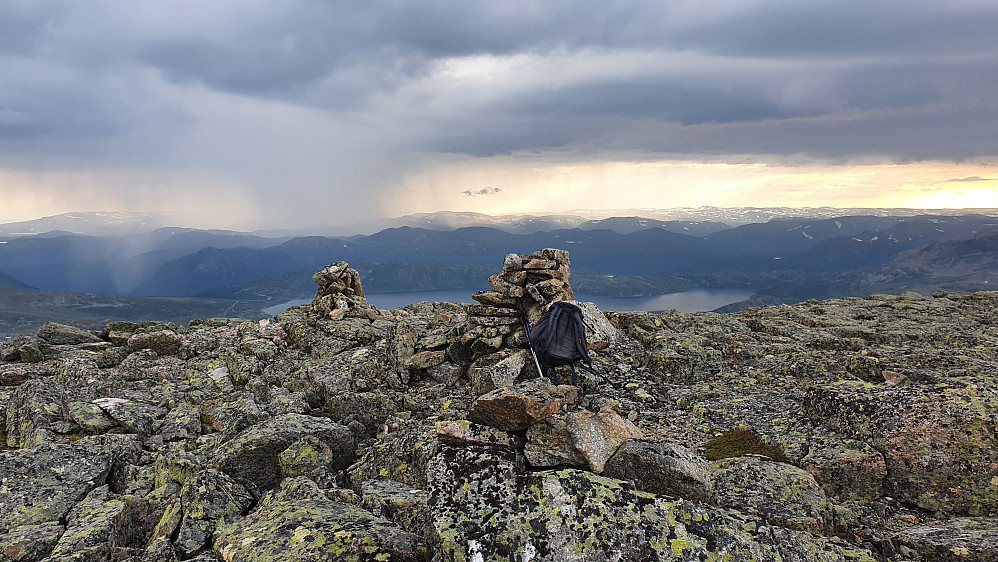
<point x="42" y="483"/>
<point x="960" y="539"/>
<point x="298" y="522"/>
<point x="520" y="406"/>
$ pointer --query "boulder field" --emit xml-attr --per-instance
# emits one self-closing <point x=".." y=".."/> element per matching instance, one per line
<point x="853" y="429"/>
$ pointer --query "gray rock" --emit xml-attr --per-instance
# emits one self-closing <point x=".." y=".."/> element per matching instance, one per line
<point x="403" y="505"/>
<point x="780" y="493"/>
<point x="209" y="500"/>
<point x="90" y="523"/>
<point x="163" y="342"/>
<point x="43" y="483"/>
<point x="579" y="516"/>
<point x="28" y="543"/>
<point x="518" y="407"/>
<point x="578" y="438"/>
<point x="956" y="540"/>
<point x="143" y="418"/>
<point x="600" y="333"/>
<point x="61" y="334"/>
<point x="666" y="469"/>
<point x="497" y="370"/>
<point x="305" y="456"/>
<point x="298" y="522"/>
<point x="254" y="453"/>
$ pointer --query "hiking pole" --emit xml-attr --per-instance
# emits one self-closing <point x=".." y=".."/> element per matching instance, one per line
<point x="526" y="330"/>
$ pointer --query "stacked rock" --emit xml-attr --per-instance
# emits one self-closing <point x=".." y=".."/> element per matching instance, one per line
<point x="494" y="339"/>
<point x="340" y="293"/>
<point x="530" y="282"/>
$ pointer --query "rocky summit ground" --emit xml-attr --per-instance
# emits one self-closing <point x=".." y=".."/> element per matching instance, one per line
<point x="841" y="430"/>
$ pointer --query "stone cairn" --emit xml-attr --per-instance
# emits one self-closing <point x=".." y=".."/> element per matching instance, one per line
<point x="495" y="336"/>
<point x="527" y="283"/>
<point x="340" y="294"/>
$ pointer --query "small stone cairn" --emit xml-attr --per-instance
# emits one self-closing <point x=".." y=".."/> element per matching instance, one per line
<point x="340" y="294"/>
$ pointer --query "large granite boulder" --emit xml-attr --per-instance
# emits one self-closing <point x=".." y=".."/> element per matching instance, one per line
<point x="254" y="454"/>
<point x="664" y="469"/>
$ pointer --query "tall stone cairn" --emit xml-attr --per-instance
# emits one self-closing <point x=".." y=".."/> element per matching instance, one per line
<point x="494" y="341"/>
<point x="530" y="282"/>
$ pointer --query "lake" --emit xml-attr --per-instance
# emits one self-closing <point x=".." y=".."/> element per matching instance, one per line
<point x="698" y="300"/>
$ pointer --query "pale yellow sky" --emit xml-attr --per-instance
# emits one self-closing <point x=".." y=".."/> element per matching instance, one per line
<point x="540" y="184"/>
<point x="526" y="184"/>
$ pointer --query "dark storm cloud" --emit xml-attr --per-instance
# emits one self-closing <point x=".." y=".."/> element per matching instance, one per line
<point x="830" y="79"/>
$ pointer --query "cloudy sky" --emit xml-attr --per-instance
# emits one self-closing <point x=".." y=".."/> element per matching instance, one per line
<point x="259" y="113"/>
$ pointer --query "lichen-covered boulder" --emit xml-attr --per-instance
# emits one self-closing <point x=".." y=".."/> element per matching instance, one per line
<point x="209" y="500"/>
<point x="780" y="493"/>
<point x="929" y="435"/>
<point x="29" y="543"/>
<point x="485" y="506"/>
<point x="496" y="370"/>
<point x="140" y="417"/>
<point x="402" y="454"/>
<point x="254" y="453"/>
<point x="43" y="483"/>
<point x="578" y="438"/>
<point x="401" y="504"/>
<point x="90" y="523"/>
<point x="163" y="342"/>
<point x="600" y="333"/>
<point x="298" y="522"/>
<point x="662" y="468"/>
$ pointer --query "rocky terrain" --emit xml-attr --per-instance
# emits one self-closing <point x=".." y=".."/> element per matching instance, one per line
<point x="841" y="430"/>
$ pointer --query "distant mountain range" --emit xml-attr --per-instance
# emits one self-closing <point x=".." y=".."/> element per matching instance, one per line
<point x="783" y="258"/>
<point x="697" y="221"/>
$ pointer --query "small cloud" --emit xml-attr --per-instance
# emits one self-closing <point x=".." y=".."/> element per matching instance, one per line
<point x="971" y="179"/>
<point x="487" y="190"/>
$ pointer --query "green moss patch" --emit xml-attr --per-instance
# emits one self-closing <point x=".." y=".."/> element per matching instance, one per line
<point x="740" y="442"/>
